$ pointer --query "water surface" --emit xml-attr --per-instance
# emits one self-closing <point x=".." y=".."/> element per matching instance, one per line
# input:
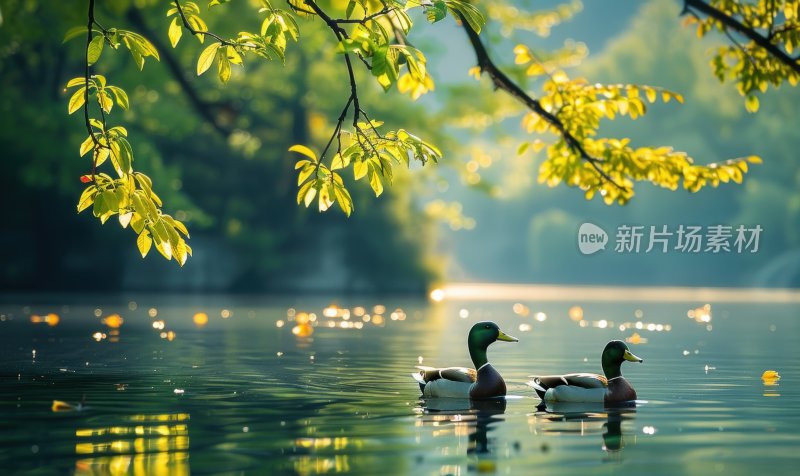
<point x="249" y="392"/>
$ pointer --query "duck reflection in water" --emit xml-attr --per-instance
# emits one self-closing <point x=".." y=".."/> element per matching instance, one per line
<point x="556" y="418"/>
<point x="477" y="418"/>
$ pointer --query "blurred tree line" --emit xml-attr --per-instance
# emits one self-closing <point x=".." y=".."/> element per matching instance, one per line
<point x="218" y="153"/>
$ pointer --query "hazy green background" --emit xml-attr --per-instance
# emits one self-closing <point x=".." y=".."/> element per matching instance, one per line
<point x="237" y="192"/>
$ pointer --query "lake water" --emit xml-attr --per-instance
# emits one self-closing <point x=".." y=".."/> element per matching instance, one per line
<point x="252" y="392"/>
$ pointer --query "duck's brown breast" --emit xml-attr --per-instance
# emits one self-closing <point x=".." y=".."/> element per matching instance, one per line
<point x="619" y="390"/>
<point x="489" y="384"/>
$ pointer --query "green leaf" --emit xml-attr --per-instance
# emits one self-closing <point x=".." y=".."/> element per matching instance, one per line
<point x="351" y="5"/>
<point x="138" y="58"/>
<point x="217" y="2"/>
<point x="301" y="149"/>
<point x="207" y="58"/>
<point x="77" y="100"/>
<point x="144" y="242"/>
<point x="437" y="11"/>
<point x="175" y="32"/>
<point x="120" y="95"/>
<point x="472" y="15"/>
<point x="94" y="49"/>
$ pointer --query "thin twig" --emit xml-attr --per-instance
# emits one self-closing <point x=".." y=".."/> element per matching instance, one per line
<point x="191" y="29"/>
<point x="366" y="18"/>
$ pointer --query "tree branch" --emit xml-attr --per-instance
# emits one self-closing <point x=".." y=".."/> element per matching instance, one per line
<point x="340" y="35"/>
<point x="366" y="18"/>
<point x="502" y="81"/>
<point x="191" y="29"/>
<point x="202" y="107"/>
<point x="734" y="24"/>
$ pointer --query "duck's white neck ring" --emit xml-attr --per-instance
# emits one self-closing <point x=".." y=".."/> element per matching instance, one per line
<point x="614" y="378"/>
<point x="482" y="366"/>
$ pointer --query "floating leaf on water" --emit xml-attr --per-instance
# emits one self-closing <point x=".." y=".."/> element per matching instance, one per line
<point x="770" y="377"/>
<point x="59" y="406"/>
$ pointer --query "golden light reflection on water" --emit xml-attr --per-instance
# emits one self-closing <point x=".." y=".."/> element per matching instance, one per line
<point x="51" y="319"/>
<point x="150" y="444"/>
<point x="324" y="463"/>
<point x="336" y="317"/>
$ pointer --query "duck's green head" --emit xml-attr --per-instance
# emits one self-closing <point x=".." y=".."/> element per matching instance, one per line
<point x="614" y="354"/>
<point x="481" y="336"/>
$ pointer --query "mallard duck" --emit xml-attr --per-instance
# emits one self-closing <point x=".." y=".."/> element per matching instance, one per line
<point x="611" y="388"/>
<point x="459" y="382"/>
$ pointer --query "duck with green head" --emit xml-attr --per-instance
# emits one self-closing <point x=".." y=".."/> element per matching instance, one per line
<point x="457" y="382"/>
<point x="611" y="388"/>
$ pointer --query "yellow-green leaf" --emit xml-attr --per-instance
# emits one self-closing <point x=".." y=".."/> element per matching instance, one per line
<point x="87" y="198"/>
<point x="175" y="32"/>
<point x="144" y="242"/>
<point x="359" y="169"/>
<point x="79" y="81"/>
<point x="375" y="183"/>
<point x="751" y="103"/>
<point x="181" y="254"/>
<point x="77" y="100"/>
<point x="207" y="58"/>
<point x="301" y="149"/>
<point x="301" y="194"/>
<point x="94" y="49"/>
<point x="86" y="146"/>
<point x="224" y="68"/>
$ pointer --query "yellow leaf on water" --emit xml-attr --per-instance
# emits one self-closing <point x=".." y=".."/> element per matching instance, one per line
<point x="59" y="406"/>
<point x="770" y="375"/>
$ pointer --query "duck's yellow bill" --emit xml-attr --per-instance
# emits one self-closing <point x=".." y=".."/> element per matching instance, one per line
<point x="506" y="338"/>
<point x="630" y="357"/>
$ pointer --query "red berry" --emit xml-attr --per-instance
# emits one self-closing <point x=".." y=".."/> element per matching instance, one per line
<point x="86" y="178"/>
